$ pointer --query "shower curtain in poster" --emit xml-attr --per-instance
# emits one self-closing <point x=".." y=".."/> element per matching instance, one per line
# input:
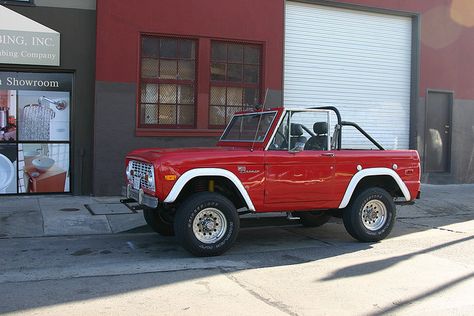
<point x="35" y="117"/>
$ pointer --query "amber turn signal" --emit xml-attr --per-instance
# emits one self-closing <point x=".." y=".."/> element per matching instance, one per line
<point x="170" y="177"/>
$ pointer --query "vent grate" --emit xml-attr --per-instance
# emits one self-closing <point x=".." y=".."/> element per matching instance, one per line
<point x="141" y="169"/>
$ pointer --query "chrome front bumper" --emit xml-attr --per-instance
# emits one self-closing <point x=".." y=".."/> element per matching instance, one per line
<point x="140" y="196"/>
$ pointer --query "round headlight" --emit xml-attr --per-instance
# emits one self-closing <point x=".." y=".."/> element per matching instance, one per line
<point x="128" y="171"/>
<point x="150" y="180"/>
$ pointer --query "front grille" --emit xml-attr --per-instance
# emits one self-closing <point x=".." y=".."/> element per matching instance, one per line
<point x="140" y="169"/>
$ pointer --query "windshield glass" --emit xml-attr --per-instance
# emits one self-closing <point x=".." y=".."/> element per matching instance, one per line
<point x="249" y="127"/>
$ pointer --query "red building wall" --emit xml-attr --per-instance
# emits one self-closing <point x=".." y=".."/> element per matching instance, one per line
<point x="119" y="24"/>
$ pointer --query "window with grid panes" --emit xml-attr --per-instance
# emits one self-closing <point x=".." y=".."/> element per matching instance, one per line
<point x="235" y="80"/>
<point x="168" y="76"/>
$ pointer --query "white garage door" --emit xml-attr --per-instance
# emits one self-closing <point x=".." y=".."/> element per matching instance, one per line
<point x="358" y="61"/>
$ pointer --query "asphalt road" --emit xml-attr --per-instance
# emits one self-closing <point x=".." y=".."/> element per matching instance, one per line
<point x="425" y="267"/>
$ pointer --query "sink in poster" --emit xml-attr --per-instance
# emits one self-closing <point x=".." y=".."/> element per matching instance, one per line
<point x="43" y="163"/>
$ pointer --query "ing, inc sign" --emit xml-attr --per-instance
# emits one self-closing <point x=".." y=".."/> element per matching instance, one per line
<point x="26" y="42"/>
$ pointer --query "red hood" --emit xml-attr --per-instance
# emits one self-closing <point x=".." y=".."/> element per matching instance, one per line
<point x="204" y="156"/>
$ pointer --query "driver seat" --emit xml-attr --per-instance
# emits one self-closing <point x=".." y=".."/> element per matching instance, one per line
<point x="297" y="139"/>
<point x="320" y="140"/>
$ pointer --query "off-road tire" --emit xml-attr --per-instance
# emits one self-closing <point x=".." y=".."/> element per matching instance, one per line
<point x="212" y="209"/>
<point x="160" y="223"/>
<point x="365" y="228"/>
<point x="313" y="219"/>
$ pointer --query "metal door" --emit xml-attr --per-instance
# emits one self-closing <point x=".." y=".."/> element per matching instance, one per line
<point x="438" y="131"/>
<point x="351" y="58"/>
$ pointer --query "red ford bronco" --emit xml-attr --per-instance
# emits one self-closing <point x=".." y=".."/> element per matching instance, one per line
<point x="277" y="160"/>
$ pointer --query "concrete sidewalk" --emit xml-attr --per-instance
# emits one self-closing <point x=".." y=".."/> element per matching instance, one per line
<point x="36" y="216"/>
<point x="59" y="215"/>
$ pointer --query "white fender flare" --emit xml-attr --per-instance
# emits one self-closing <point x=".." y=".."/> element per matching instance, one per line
<point x="373" y="172"/>
<point x="199" y="172"/>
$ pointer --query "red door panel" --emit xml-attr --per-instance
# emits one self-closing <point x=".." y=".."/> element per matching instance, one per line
<point x="299" y="178"/>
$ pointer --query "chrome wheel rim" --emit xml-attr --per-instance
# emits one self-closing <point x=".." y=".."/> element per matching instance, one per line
<point x="209" y="225"/>
<point x="374" y="215"/>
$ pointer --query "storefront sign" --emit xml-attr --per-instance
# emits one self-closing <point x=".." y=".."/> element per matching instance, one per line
<point x="35" y="81"/>
<point x="24" y="41"/>
<point x="29" y="48"/>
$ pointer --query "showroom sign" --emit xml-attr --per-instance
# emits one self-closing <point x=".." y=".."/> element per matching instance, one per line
<point x="26" y="42"/>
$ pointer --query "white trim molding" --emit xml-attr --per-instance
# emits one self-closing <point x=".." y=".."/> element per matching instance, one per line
<point x="373" y="172"/>
<point x="205" y="172"/>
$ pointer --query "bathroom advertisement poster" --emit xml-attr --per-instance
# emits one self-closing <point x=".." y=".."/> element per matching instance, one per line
<point x="35" y="128"/>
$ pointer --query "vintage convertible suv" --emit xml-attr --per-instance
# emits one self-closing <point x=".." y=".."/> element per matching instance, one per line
<point x="276" y="160"/>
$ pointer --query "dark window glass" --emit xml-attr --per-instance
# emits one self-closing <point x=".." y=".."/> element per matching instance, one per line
<point x="168" y="48"/>
<point x="219" y="51"/>
<point x="235" y="53"/>
<point x="187" y="49"/>
<point x="252" y="54"/>
<point x="234" y="72"/>
<point x="251" y="73"/>
<point x="150" y="47"/>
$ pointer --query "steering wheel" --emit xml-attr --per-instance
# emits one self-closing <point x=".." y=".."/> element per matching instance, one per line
<point x="283" y="144"/>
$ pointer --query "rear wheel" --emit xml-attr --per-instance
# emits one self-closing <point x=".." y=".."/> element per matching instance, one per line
<point x="206" y="224"/>
<point x="159" y="220"/>
<point x="313" y="219"/>
<point x="370" y="217"/>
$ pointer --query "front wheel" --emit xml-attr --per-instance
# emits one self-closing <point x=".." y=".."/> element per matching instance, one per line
<point x="206" y="224"/>
<point x="370" y="217"/>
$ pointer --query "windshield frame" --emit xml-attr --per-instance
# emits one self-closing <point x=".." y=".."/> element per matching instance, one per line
<point x="275" y="114"/>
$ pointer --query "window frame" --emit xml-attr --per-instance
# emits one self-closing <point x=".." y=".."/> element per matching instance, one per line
<point x="202" y="86"/>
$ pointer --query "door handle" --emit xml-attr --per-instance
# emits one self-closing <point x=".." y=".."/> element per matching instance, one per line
<point x="328" y="154"/>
